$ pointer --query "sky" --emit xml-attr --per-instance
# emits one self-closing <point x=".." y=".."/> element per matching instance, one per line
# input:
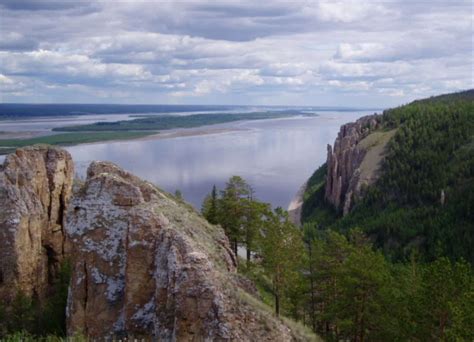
<point x="327" y="53"/>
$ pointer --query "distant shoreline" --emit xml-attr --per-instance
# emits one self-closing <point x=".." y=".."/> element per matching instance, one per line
<point x="124" y="130"/>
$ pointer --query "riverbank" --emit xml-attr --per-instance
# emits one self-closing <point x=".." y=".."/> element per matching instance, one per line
<point x="165" y="127"/>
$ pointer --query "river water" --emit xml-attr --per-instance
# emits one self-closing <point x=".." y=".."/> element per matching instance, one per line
<point x="274" y="156"/>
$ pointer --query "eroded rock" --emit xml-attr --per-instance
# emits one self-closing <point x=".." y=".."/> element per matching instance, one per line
<point x="344" y="159"/>
<point x="148" y="266"/>
<point x="35" y="187"/>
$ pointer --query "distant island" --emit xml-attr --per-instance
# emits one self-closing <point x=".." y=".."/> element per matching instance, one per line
<point x="144" y="125"/>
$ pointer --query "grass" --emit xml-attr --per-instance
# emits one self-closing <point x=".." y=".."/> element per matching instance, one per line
<point x="298" y="330"/>
<point x="9" y="145"/>
<point x="375" y="144"/>
<point x="22" y="336"/>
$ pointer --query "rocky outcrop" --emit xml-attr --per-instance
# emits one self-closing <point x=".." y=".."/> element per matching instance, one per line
<point x="35" y="186"/>
<point x="148" y="266"/>
<point x="344" y="160"/>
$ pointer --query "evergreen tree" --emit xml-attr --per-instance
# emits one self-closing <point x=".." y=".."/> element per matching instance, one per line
<point x="282" y="252"/>
<point x="233" y="200"/>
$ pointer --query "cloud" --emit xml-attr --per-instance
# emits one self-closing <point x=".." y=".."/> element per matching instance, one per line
<point x="16" y="41"/>
<point x="44" y="5"/>
<point x="306" y="52"/>
<point x="349" y="11"/>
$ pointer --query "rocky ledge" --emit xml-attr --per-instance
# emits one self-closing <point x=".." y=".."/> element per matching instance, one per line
<point x="344" y="160"/>
<point x="144" y="264"/>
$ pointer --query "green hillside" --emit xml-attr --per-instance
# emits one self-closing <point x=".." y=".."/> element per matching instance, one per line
<point x="423" y="203"/>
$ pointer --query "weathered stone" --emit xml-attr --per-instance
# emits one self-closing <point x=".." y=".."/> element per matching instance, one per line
<point x="344" y="159"/>
<point x="148" y="266"/>
<point x="35" y="187"/>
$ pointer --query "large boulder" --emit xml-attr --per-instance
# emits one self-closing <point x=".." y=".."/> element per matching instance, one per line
<point x="35" y="187"/>
<point x="147" y="265"/>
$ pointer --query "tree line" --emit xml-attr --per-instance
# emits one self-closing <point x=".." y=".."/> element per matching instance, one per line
<point x="340" y="285"/>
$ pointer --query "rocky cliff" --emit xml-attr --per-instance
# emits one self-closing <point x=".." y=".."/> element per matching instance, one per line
<point x="35" y="187"/>
<point x="144" y="264"/>
<point x="147" y="265"/>
<point x="344" y="160"/>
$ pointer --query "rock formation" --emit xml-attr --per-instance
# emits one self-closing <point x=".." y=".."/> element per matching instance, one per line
<point x="148" y="266"/>
<point x="35" y="186"/>
<point x="344" y="160"/>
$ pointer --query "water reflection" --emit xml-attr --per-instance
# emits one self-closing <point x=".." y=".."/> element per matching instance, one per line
<point x="274" y="156"/>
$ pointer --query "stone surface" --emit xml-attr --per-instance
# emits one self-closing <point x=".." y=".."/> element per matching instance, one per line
<point x="344" y="159"/>
<point x="35" y="187"/>
<point x="147" y="265"/>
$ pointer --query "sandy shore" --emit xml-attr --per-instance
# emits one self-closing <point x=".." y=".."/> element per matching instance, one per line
<point x="188" y="133"/>
<point x="23" y="134"/>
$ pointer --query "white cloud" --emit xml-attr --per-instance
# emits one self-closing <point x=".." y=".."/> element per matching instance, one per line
<point x="349" y="10"/>
<point x="201" y="51"/>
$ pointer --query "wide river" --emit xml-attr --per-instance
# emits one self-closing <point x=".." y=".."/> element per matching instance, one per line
<point x="275" y="156"/>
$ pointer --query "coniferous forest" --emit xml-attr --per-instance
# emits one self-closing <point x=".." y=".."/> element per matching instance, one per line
<point x="398" y="267"/>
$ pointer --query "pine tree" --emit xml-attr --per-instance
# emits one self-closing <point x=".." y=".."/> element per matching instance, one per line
<point x="233" y="209"/>
<point x="282" y="252"/>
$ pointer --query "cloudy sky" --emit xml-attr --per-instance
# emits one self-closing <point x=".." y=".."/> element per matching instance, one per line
<point x="347" y="53"/>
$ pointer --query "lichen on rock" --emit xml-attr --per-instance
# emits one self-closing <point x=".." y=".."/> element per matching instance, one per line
<point x="147" y="266"/>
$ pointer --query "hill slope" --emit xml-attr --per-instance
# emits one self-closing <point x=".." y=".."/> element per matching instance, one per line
<point x="422" y="198"/>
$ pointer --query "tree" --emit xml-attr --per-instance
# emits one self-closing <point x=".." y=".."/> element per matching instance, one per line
<point x="447" y="298"/>
<point x="233" y="209"/>
<point x="255" y="215"/>
<point x="282" y="252"/>
<point x="210" y="207"/>
<point x="178" y="195"/>
<point x="353" y="287"/>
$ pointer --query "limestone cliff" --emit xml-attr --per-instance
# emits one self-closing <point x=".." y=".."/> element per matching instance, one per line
<point x="146" y="265"/>
<point x="35" y="187"/>
<point x="344" y="161"/>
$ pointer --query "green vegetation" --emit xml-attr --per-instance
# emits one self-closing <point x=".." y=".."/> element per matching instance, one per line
<point x="31" y="319"/>
<point x="356" y="294"/>
<point x="264" y="233"/>
<point x="9" y="145"/>
<point x="395" y="267"/>
<point x="339" y="285"/>
<point x="424" y="199"/>
<point x="164" y="122"/>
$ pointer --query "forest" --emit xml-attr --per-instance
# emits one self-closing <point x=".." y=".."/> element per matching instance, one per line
<point x="341" y="285"/>
<point x="423" y="201"/>
<point x="417" y="224"/>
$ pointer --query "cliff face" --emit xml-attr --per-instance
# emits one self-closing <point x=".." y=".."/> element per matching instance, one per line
<point x="344" y="160"/>
<point x="148" y="266"/>
<point x="144" y="264"/>
<point x="35" y="187"/>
